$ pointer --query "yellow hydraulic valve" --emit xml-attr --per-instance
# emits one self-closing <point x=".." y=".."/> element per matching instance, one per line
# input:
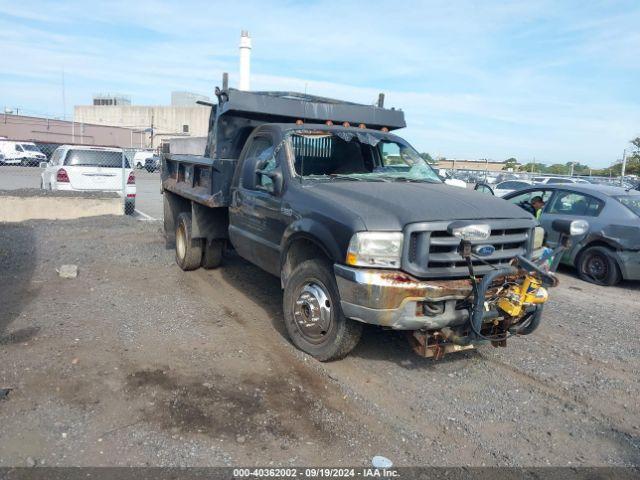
<point x="517" y="297"/>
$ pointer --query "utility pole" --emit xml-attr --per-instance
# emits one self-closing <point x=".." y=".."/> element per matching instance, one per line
<point x="572" y="165"/>
<point x="152" y="130"/>
<point x="624" y="164"/>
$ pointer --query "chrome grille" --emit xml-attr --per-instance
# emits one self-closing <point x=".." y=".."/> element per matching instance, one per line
<point x="432" y="253"/>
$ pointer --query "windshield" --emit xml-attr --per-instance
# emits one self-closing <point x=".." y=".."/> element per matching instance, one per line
<point x="632" y="202"/>
<point x="30" y="148"/>
<point x="95" y="158"/>
<point x="358" y="157"/>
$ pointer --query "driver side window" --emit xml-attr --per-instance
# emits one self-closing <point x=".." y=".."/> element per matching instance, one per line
<point x="271" y="163"/>
<point x="262" y="149"/>
<point x="527" y="196"/>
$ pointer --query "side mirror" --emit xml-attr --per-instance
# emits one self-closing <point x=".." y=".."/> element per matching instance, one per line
<point x="484" y="188"/>
<point x="276" y="180"/>
<point x="43" y="164"/>
<point x="572" y="228"/>
<point x="249" y="173"/>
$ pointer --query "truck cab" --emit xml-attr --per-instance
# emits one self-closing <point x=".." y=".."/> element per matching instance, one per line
<point x="357" y="226"/>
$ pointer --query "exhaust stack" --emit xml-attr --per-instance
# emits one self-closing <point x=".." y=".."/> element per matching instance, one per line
<point x="245" y="61"/>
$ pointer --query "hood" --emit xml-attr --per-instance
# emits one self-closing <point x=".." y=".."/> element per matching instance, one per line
<point x="391" y="206"/>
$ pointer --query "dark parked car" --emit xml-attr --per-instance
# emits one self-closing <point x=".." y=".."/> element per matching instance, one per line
<point x="610" y="250"/>
<point x="152" y="164"/>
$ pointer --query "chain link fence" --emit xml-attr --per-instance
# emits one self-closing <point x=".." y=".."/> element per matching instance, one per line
<point x="78" y="167"/>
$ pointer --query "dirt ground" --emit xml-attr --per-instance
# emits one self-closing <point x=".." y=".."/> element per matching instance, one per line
<point x="136" y="363"/>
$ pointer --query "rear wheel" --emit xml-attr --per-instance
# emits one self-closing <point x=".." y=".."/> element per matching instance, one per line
<point x="188" y="250"/>
<point x="597" y="265"/>
<point x="313" y="315"/>
<point x="212" y="255"/>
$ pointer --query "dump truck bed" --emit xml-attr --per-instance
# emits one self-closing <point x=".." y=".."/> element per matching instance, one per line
<point x="207" y="179"/>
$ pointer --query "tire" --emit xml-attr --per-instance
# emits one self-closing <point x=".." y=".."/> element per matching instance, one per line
<point x="212" y="255"/>
<point x="597" y="265"/>
<point x="129" y="208"/>
<point x="328" y="336"/>
<point x="188" y="250"/>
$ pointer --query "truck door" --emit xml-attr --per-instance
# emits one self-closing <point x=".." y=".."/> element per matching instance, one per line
<point x="256" y="220"/>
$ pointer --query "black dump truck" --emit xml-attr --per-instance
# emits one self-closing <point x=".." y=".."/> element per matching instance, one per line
<point x="357" y="226"/>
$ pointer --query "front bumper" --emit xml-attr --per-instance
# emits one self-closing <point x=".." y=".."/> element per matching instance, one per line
<point x="394" y="299"/>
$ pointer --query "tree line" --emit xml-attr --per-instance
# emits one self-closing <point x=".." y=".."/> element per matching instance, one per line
<point x="632" y="167"/>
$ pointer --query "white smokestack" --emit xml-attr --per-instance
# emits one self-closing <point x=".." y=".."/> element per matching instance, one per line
<point x="245" y="61"/>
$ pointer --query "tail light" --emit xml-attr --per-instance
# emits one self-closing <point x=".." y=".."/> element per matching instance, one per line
<point x="62" y="176"/>
<point x="132" y="179"/>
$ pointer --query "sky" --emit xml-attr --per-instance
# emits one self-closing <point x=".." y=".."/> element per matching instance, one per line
<point x="554" y="80"/>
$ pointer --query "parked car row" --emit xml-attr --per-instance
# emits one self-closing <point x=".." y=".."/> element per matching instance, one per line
<point x="146" y="159"/>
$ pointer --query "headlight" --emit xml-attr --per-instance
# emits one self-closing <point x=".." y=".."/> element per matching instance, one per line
<point x="375" y="249"/>
<point x="538" y="237"/>
<point x="469" y="231"/>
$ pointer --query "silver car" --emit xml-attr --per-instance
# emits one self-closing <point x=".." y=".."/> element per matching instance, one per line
<point x="610" y="250"/>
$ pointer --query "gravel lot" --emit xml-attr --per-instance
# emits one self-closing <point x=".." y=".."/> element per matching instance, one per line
<point x="135" y="362"/>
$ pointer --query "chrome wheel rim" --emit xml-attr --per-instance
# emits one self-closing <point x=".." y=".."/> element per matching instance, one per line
<point x="312" y="312"/>
<point x="181" y="244"/>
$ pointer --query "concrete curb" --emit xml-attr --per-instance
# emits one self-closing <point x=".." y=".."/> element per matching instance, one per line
<point x="35" y="204"/>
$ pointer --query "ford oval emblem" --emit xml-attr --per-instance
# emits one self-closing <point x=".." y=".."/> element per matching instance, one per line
<point x="483" y="250"/>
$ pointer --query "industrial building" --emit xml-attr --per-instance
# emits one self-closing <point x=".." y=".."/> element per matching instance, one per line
<point x="483" y="165"/>
<point x="111" y="99"/>
<point x="46" y="130"/>
<point x="185" y="118"/>
<point x="187" y="99"/>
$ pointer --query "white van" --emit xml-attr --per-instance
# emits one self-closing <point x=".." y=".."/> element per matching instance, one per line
<point x="21" y="153"/>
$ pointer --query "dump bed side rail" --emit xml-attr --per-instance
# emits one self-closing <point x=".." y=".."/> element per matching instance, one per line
<point x="204" y="180"/>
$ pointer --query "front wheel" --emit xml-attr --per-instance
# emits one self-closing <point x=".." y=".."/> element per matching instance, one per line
<point x="597" y="265"/>
<point x="313" y="315"/>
